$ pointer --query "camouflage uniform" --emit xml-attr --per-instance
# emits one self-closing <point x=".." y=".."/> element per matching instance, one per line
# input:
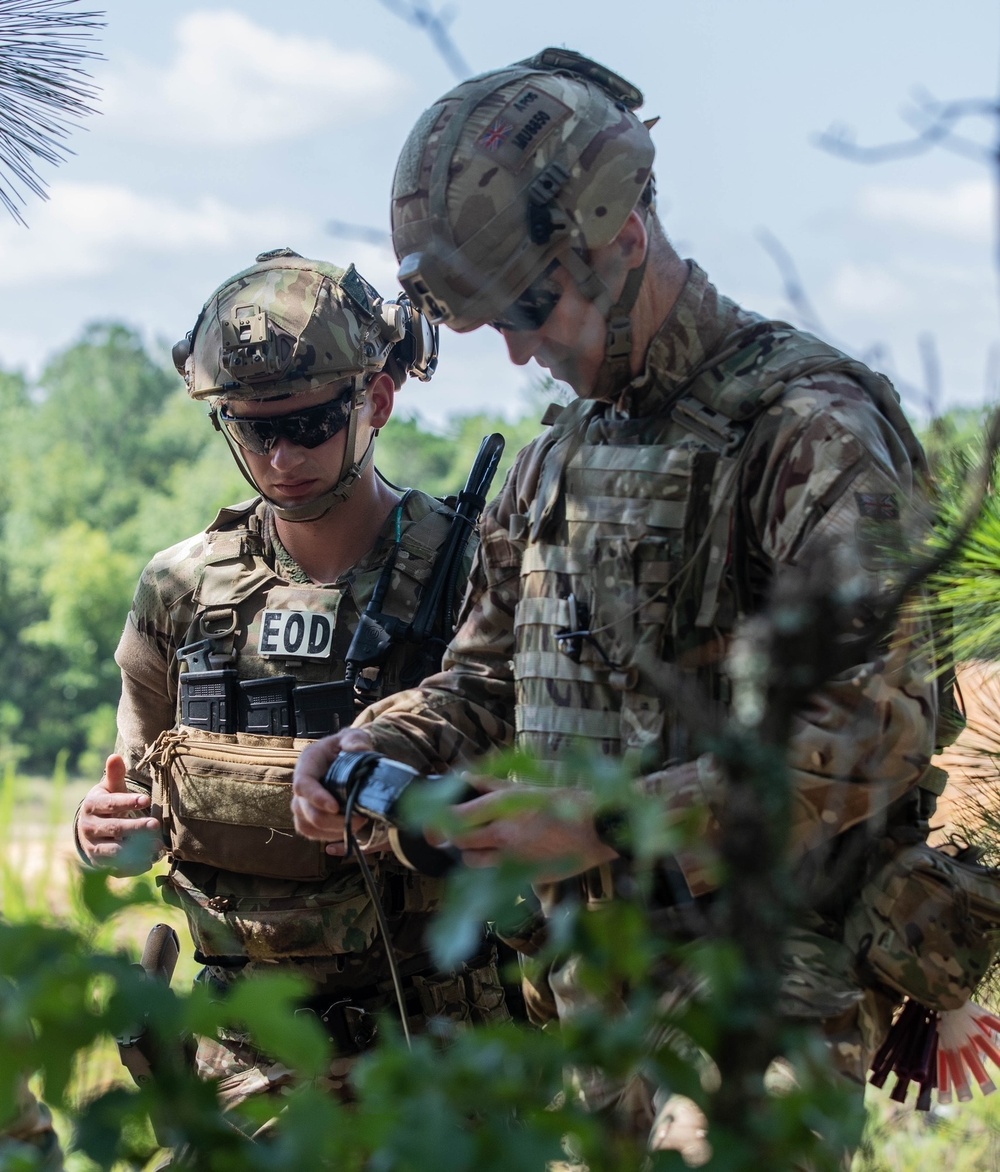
<point x="275" y="900"/>
<point x="743" y="446"/>
<point x="259" y="633"/>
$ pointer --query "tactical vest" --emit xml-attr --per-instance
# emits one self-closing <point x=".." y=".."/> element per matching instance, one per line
<point x="630" y="539"/>
<point x="250" y="886"/>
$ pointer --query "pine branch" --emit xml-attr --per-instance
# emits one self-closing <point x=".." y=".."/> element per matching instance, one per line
<point x="45" y="89"/>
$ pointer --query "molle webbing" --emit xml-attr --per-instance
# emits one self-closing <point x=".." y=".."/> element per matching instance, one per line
<point x="640" y="535"/>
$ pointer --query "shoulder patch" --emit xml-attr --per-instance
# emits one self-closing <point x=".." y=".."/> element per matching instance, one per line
<point x="877" y="506"/>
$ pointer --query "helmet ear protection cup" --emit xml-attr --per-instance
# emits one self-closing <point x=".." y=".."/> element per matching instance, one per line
<point x="415" y="353"/>
<point x="287" y="326"/>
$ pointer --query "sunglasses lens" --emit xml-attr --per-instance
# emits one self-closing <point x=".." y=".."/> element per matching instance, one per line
<point x="306" y="429"/>
<point x="249" y="433"/>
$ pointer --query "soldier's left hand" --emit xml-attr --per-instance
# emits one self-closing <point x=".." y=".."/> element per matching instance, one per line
<point x="553" y="827"/>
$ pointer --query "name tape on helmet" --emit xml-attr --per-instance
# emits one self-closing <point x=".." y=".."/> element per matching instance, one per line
<point x="299" y="634"/>
<point x="526" y="120"/>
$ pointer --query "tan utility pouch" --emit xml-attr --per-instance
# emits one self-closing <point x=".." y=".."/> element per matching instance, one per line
<point x="225" y="801"/>
<point x="927" y="925"/>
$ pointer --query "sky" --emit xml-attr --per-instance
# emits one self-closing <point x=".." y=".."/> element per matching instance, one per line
<point x="226" y="130"/>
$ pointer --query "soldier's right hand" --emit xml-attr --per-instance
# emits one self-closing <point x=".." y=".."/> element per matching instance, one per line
<point x="109" y="815"/>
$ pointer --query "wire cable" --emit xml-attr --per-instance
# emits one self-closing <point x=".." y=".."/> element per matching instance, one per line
<point x="351" y="843"/>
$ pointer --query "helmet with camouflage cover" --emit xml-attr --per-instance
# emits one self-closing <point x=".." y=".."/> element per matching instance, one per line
<point x="286" y="326"/>
<point x="539" y="162"/>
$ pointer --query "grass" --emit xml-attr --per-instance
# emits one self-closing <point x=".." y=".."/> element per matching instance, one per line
<point x="959" y="1138"/>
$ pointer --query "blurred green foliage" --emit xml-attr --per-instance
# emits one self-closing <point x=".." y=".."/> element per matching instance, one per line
<point x="485" y="1100"/>
<point x="967" y="590"/>
<point x="103" y="461"/>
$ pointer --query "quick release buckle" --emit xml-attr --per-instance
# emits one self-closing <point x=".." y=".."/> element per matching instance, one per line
<point x="711" y="426"/>
<point x="541" y="195"/>
<point x="619" y="340"/>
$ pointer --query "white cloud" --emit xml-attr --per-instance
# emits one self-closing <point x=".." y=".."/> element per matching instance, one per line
<point x="962" y="211"/>
<point x="868" y="289"/>
<point x="88" y="229"/>
<point x="237" y="83"/>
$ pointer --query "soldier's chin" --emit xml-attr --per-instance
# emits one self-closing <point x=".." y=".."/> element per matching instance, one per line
<point x="310" y="507"/>
<point x="566" y="371"/>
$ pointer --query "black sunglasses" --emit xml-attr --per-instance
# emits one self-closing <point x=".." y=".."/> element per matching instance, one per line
<point x="307" y="428"/>
<point x="534" y="307"/>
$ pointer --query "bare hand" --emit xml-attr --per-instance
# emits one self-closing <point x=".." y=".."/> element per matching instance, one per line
<point x="316" y="811"/>
<point x="554" y="827"/>
<point x="110" y="813"/>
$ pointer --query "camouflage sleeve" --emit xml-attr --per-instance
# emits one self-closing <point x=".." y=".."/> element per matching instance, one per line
<point x="468" y="707"/>
<point x="825" y="474"/>
<point x="149" y="677"/>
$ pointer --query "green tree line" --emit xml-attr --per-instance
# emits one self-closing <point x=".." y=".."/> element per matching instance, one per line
<point x="103" y="461"/>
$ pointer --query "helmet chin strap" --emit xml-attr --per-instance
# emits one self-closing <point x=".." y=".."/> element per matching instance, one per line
<point x="351" y="469"/>
<point x="313" y="510"/>
<point x="616" y="368"/>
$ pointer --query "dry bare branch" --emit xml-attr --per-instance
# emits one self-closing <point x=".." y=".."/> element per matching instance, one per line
<point x="934" y="123"/>
<point x="932" y="371"/>
<point x="795" y="290"/>
<point x="421" y="15"/>
<point x="359" y="232"/>
<point x="876" y="356"/>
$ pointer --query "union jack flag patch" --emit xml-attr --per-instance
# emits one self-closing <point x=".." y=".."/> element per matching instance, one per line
<point x="494" y="136"/>
<point x="877" y="506"/>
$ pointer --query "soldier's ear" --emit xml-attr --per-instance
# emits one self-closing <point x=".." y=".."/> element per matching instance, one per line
<point x="633" y="240"/>
<point x="381" y="395"/>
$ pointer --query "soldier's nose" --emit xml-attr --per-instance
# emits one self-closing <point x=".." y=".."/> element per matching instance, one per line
<point x="521" y="345"/>
<point x="285" y="454"/>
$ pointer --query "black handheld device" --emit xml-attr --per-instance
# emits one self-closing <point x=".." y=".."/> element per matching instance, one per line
<point x="372" y="785"/>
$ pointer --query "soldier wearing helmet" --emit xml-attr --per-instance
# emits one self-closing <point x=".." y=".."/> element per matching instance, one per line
<point x="708" y="450"/>
<point x="240" y="648"/>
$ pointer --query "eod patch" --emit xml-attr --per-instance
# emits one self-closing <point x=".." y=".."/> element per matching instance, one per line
<point x="523" y="123"/>
<point x="298" y="634"/>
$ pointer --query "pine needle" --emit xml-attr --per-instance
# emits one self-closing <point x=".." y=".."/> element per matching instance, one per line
<point x="45" y="89"/>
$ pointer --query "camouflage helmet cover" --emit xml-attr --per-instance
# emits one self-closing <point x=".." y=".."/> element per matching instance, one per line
<point x="509" y="171"/>
<point x="285" y="326"/>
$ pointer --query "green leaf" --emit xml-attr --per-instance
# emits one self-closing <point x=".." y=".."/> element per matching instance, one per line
<point x="266" y="1005"/>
